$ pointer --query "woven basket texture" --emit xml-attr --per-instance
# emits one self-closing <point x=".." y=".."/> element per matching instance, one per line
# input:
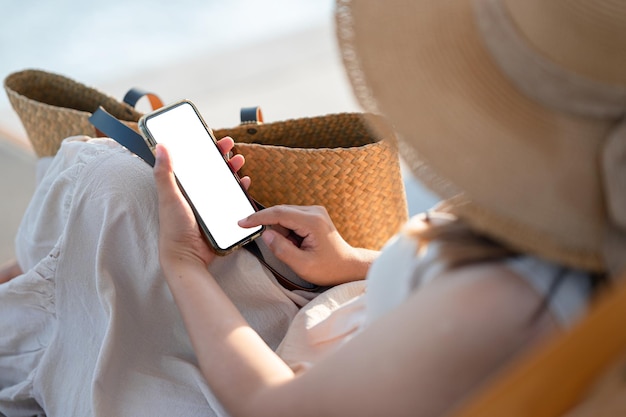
<point x="335" y="161"/>
<point x="53" y="107"/>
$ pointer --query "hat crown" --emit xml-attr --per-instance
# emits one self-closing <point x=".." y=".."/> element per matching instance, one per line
<point x="583" y="36"/>
<point x="505" y="108"/>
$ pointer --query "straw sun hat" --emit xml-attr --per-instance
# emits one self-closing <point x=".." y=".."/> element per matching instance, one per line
<point x="511" y="109"/>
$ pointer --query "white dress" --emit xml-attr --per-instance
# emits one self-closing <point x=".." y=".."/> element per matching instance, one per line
<point x="91" y="328"/>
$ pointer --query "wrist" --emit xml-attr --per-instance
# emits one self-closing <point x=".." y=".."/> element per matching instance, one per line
<point x="176" y="265"/>
<point x="359" y="262"/>
<point x="365" y="259"/>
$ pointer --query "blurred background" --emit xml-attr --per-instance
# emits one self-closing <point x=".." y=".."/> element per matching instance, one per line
<point x="223" y="55"/>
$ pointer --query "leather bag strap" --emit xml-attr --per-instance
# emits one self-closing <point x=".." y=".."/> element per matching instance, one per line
<point x="251" y="115"/>
<point x="135" y="94"/>
<point x="124" y="135"/>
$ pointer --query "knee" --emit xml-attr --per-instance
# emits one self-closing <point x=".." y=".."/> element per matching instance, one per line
<point x="117" y="185"/>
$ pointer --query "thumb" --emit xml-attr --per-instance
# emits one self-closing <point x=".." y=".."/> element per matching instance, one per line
<point x="284" y="249"/>
<point x="164" y="174"/>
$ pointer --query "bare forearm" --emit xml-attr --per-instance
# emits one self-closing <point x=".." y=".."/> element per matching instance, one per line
<point x="235" y="361"/>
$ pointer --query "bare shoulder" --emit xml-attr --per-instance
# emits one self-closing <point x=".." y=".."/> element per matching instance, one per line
<point x="487" y="309"/>
<point x="444" y="341"/>
<point x="487" y="287"/>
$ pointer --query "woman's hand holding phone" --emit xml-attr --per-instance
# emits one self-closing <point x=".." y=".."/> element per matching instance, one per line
<point x="319" y="255"/>
<point x="180" y="238"/>
<point x="215" y="194"/>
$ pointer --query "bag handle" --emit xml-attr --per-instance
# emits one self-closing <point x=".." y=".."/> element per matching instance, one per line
<point x="104" y="122"/>
<point x="251" y="115"/>
<point x="135" y="94"/>
<point x="111" y="127"/>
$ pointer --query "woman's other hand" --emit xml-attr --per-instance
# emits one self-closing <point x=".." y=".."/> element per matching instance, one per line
<point x="180" y="238"/>
<point x="9" y="270"/>
<point x="318" y="253"/>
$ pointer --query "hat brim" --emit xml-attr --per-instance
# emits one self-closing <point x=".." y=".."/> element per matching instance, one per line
<point x="516" y="170"/>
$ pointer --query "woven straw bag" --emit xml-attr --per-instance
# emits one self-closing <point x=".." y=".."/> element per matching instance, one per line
<point x="53" y="107"/>
<point x="335" y="161"/>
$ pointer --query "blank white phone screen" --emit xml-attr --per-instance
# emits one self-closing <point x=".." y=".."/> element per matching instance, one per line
<point x="202" y="172"/>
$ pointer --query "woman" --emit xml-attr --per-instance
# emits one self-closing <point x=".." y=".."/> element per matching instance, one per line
<point x="513" y="110"/>
<point x="511" y="103"/>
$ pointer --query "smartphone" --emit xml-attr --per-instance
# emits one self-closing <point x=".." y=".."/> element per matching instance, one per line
<point x="212" y="189"/>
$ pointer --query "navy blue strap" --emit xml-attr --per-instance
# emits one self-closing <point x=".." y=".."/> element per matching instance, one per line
<point x="252" y="115"/>
<point x="124" y="135"/>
